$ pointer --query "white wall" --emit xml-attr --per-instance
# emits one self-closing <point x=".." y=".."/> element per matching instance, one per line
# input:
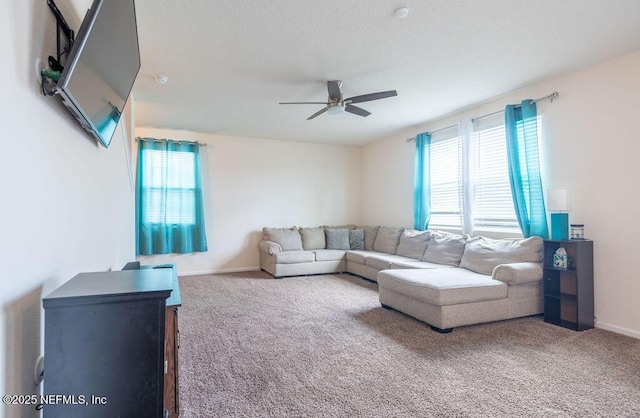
<point x="67" y="205"/>
<point x="591" y="144"/>
<point x="254" y="183"/>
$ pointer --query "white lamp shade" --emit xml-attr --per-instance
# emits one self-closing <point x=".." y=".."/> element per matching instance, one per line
<point x="557" y="200"/>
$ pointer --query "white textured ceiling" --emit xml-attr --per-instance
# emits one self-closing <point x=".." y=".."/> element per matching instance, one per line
<point x="230" y="62"/>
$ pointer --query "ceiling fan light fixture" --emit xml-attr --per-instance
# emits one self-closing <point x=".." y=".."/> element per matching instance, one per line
<point x="336" y="109"/>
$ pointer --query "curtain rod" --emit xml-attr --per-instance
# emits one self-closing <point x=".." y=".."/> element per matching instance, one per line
<point x="551" y="97"/>
<point x="433" y="132"/>
<point x="202" y="144"/>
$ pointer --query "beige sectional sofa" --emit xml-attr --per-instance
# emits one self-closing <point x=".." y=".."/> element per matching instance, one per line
<point x="446" y="280"/>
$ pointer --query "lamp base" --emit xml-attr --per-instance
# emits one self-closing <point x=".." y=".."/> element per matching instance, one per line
<point x="559" y="226"/>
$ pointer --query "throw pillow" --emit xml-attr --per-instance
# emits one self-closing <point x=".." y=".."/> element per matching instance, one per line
<point x="413" y="243"/>
<point x="387" y="240"/>
<point x="482" y="255"/>
<point x="288" y="238"/>
<point x="350" y="226"/>
<point x="445" y="248"/>
<point x="356" y="239"/>
<point x="337" y="239"/>
<point x="312" y="238"/>
<point x="370" y="233"/>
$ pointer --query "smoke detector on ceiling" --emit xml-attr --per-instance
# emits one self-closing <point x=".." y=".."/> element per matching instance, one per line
<point x="161" y="79"/>
<point x="401" y="13"/>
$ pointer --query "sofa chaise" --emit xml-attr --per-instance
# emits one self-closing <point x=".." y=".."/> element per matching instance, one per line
<point x="446" y="280"/>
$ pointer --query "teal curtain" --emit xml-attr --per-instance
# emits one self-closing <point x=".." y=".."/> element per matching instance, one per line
<point x="521" y="126"/>
<point x="422" y="183"/>
<point x="169" y="207"/>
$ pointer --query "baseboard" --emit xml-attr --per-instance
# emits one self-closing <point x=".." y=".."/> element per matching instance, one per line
<point x="199" y="273"/>
<point x="618" y="330"/>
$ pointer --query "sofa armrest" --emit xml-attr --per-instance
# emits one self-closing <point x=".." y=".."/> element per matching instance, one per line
<point x="518" y="273"/>
<point x="269" y="247"/>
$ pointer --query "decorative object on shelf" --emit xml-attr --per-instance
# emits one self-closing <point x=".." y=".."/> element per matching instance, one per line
<point x="561" y="259"/>
<point x="558" y="202"/>
<point x="577" y="231"/>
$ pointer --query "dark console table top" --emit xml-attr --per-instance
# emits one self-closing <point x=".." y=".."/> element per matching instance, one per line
<point x="114" y="285"/>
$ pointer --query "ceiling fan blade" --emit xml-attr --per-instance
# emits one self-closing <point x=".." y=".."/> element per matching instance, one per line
<point x="318" y="113"/>
<point x="333" y="86"/>
<point x="356" y="110"/>
<point x="372" y="96"/>
<point x="322" y="103"/>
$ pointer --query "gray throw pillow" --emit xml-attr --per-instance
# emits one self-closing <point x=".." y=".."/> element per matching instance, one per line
<point x="370" y="233"/>
<point x="288" y="238"/>
<point x="356" y="239"/>
<point x="350" y="226"/>
<point x="387" y="240"/>
<point x="337" y="239"/>
<point x="312" y="238"/>
<point x="413" y="243"/>
<point x="445" y="248"/>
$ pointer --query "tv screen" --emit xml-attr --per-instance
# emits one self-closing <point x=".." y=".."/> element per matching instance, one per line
<point x="102" y="65"/>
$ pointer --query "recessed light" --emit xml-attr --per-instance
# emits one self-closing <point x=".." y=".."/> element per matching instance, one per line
<point x="161" y="79"/>
<point x="401" y="13"/>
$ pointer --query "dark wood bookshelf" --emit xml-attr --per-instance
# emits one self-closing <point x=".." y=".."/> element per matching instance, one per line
<point x="568" y="292"/>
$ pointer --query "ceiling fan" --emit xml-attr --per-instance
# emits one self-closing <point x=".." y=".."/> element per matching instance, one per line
<point x="336" y="104"/>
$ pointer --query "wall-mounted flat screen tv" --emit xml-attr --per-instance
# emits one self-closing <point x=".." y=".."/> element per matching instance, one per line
<point x="102" y="66"/>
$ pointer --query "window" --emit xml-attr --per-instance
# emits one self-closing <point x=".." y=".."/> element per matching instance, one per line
<point x="170" y="198"/>
<point x="446" y="176"/>
<point x="481" y="156"/>
<point x="169" y="206"/>
<point x="493" y="203"/>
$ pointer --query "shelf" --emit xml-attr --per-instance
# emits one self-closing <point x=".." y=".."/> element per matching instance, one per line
<point x="563" y="323"/>
<point x="559" y="295"/>
<point x="568" y="292"/>
<point x="573" y="270"/>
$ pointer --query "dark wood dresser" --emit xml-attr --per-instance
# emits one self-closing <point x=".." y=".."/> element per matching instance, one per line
<point x="111" y="345"/>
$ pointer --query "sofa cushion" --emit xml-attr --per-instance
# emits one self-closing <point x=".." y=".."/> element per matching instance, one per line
<point x="312" y="238"/>
<point x="356" y="239"/>
<point x="294" y="257"/>
<point x="329" y="255"/>
<point x="337" y="239"/>
<point x="370" y="233"/>
<point x="387" y="239"/>
<point x="413" y="264"/>
<point x="360" y="256"/>
<point x="413" y="243"/>
<point x="447" y="286"/>
<point x="482" y="254"/>
<point x="383" y="260"/>
<point x="445" y="248"/>
<point x="288" y="238"/>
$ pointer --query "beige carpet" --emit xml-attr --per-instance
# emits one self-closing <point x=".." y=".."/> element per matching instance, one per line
<point x="321" y="346"/>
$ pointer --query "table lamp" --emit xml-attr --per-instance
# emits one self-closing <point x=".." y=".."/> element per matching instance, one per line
<point x="558" y="205"/>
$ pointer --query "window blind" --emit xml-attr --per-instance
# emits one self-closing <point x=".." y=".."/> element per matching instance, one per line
<point x="175" y="203"/>
<point x="493" y="206"/>
<point x="446" y="181"/>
